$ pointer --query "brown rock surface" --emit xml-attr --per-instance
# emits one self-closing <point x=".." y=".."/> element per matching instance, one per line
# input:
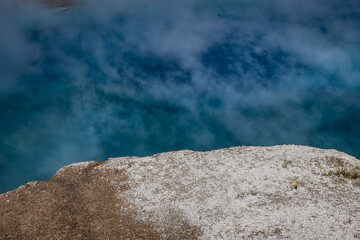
<point x="61" y="4"/>
<point x="77" y="203"/>
<point x="281" y="192"/>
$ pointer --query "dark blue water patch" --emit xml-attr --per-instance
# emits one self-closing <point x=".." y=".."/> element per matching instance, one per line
<point x="150" y="67"/>
<point x="222" y="58"/>
<point x="340" y="117"/>
<point x="243" y="60"/>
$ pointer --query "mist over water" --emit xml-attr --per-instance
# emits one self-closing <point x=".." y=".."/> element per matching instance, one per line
<point x="118" y="78"/>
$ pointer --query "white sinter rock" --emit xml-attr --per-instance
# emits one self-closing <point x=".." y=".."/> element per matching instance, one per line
<point x="245" y="192"/>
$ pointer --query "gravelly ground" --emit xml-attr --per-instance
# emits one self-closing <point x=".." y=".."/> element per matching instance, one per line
<point x="244" y="192"/>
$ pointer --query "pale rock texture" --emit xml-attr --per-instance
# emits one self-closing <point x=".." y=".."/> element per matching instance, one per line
<point x="280" y="192"/>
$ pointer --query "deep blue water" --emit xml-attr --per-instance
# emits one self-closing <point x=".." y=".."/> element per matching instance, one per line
<point x="141" y="77"/>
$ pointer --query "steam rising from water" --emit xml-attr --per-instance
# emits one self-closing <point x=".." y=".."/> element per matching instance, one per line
<point x="110" y="79"/>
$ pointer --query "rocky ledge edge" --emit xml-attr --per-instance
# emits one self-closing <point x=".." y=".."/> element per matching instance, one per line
<point x="278" y="192"/>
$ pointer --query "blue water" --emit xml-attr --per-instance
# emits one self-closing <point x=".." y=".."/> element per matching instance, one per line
<point x="140" y="77"/>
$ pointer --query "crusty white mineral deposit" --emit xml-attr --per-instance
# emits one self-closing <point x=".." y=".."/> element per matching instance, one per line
<point x="246" y="192"/>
